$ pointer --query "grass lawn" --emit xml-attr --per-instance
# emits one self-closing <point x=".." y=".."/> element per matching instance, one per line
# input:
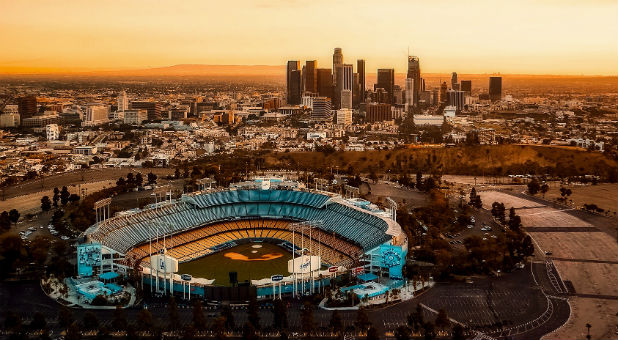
<point x="251" y="263"/>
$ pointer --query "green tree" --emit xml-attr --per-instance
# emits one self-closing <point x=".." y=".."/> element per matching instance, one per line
<point x="442" y="321"/>
<point x="199" y="320"/>
<point x="335" y="324"/>
<point x="219" y="328"/>
<point x="534" y="187"/>
<point x="45" y="203"/>
<point x="144" y="320"/>
<point x="280" y="315"/>
<point x="5" y="221"/>
<point x="152" y="178"/>
<point x="65" y="317"/>
<point x="73" y="332"/>
<point x="12" y="321"/>
<point x="249" y="332"/>
<point x="64" y="195"/>
<point x="226" y="312"/>
<point x="173" y="316"/>
<point x="38" y="321"/>
<point x="402" y="333"/>
<point x="544" y="189"/>
<point x="119" y="321"/>
<point x="362" y="320"/>
<point x="253" y="312"/>
<point x="458" y="333"/>
<point x="14" y="215"/>
<point x="307" y="318"/>
<point x="90" y="321"/>
<point x="372" y="334"/>
<point x="56" y="196"/>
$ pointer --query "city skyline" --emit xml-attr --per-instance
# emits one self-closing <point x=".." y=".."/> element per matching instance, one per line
<point x="521" y="38"/>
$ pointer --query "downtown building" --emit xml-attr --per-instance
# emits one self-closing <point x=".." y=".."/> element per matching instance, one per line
<point x="293" y="82"/>
<point x="495" y="89"/>
<point x="322" y="109"/>
<point x="414" y="73"/>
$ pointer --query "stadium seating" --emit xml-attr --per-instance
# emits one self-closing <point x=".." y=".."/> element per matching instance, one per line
<point x="237" y="214"/>
<point x="196" y="243"/>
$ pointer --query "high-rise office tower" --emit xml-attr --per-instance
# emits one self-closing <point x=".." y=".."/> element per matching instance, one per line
<point x="153" y="108"/>
<point x="337" y="56"/>
<point x="454" y="84"/>
<point x="414" y="72"/>
<point x="443" y="89"/>
<point x="293" y="66"/>
<point x="347" y="81"/>
<point x="386" y="81"/>
<point x="311" y="76"/>
<point x="360" y="69"/>
<point x="321" y="109"/>
<point x="356" y="97"/>
<point x="466" y="86"/>
<point x="456" y="98"/>
<point x="123" y="102"/>
<point x="295" y="87"/>
<point x="409" y="94"/>
<point x="325" y="82"/>
<point x="495" y="88"/>
<point x="26" y="107"/>
<point x="337" y="77"/>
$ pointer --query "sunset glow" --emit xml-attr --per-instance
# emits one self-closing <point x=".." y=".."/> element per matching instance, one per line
<point x="531" y="37"/>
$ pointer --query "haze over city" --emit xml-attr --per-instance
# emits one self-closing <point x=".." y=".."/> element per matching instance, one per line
<point x="401" y="169"/>
<point x="522" y="37"/>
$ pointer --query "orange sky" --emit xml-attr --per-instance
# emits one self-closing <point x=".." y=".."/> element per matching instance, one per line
<point x="467" y="36"/>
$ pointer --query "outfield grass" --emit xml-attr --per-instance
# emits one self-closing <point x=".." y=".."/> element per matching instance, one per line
<point x="217" y="266"/>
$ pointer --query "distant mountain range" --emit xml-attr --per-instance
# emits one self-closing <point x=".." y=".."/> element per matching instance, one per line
<point x="205" y="70"/>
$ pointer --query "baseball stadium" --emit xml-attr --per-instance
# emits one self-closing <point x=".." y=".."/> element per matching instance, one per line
<point x="268" y="233"/>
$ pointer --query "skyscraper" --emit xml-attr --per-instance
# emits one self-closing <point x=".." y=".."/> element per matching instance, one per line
<point x="337" y="56"/>
<point x="293" y="98"/>
<point x="311" y="76"/>
<point x="325" y="82"/>
<point x="454" y="83"/>
<point x="360" y="69"/>
<point x="337" y="77"/>
<point x="466" y="86"/>
<point x="409" y="94"/>
<point x="321" y="109"/>
<point x="295" y="87"/>
<point x="414" y="72"/>
<point x="347" y="86"/>
<point x="495" y="88"/>
<point x="443" y="89"/>
<point x="123" y="101"/>
<point x="356" y="100"/>
<point x="386" y="81"/>
<point x="456" y="98"/>
<point x="26" y="106"/>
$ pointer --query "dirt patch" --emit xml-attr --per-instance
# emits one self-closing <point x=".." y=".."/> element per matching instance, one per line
<point x="588" y="246"/>
<point x="590" y="278"/>
<point x="601" y="314"/>
<point x="241" y="257"/>
<point x="603" y="195"/>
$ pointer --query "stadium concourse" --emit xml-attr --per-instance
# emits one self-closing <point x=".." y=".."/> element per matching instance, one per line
<point x="326" y="233"/>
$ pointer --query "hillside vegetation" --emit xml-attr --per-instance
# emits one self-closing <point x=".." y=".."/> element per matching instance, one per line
<point x="486" y="160"/>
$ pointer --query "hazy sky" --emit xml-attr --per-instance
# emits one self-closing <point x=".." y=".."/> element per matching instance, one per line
<point x="467" y="36"/>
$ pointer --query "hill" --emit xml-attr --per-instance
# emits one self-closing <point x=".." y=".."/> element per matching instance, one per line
<point x="492" y="160"/>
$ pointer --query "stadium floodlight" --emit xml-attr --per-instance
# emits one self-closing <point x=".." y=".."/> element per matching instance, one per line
<point x="102" y="209"/>
<point x="393" y="208"/>
<point x="306" y="227"/>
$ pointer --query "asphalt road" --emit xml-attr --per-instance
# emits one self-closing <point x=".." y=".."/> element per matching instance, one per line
<point x="515" y="305"/>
